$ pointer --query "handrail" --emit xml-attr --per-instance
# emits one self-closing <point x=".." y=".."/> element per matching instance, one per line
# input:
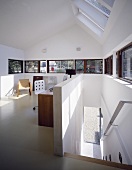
<point x="116" y="112"/>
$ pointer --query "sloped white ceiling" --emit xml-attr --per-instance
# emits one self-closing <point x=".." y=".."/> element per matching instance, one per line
<point x="26" y="22"/>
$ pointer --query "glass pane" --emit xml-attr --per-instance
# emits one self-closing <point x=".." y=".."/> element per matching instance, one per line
<point x="15" y="66"/>
<point x="31" y="66"/>
<point x="127" y="64"/>
<point x="60" y="66"/>
<point x="117" y="66"/>
<point x="109" y="65"/>
<point x="79" y="66"/>
<point x="43" y="66"/>
<point x="94" y="66"/>
<point x="99" y="5"/>
<point x="109" y="2"/>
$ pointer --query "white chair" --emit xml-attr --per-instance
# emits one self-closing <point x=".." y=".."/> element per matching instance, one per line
<point x="39" y="87"/>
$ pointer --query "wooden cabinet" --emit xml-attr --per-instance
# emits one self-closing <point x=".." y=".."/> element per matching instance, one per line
<point x="45" y="109"/>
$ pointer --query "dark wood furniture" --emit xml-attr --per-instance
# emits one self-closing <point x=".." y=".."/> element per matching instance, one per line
<point x="70" y="72"/>
<point x="45" y="109"/>
<point x="36" y="78"/>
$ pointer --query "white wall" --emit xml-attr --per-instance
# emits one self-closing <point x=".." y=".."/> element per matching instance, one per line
<point x="120" y="30"/>
<point x="59" y="76"/>
<point x="68" y="116"/>
<point x="8" y="82"/>
<point x="69" y="99"/>
<point x="92" y="90"/>
<point x="8" y="53"/>
<point x="64" y="44"/>
<point x="119" y="138"/>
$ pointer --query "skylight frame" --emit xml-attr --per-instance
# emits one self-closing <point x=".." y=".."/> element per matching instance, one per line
<point x="89" y="18"/>
<point x="100" y="10"/>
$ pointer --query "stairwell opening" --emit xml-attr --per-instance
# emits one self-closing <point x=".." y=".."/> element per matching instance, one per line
<point x="92" y="132"/>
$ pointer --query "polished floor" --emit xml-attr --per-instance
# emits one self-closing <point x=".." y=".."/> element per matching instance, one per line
<point x="24" y="145"/>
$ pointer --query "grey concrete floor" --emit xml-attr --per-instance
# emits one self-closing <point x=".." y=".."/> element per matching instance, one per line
<point x="24" y="145"/>
<point x="91" y="125"/>
<point x="91" y="144"/>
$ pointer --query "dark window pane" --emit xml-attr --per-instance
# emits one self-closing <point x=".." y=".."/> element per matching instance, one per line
<point x="127" y="64"/>
<point x="43" y="66"/>
<point x="117" y="65"/>
<point x="79" y="66"/>
<point x="31" y="66"/>
<point x="60" y="66"/>
<point x="94" y="66"/>
<point x="109" y="65"/>
<point x="15" y="66"/>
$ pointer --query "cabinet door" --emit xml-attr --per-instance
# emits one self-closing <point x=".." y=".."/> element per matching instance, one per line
<point x="45" y="110"/>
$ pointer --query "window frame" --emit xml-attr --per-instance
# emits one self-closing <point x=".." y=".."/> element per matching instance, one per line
<point x="48" y="71"/>
<point x="85" y="66"/>
<point x="38" y="65"/>
<point x="109" y="63"/>
<point x="119" y="60"/>
<point x="78" y="72"/>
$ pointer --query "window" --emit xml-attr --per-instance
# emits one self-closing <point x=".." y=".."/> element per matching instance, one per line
<point x="15" y="66"/>
<point x="59" y="66"/>
<point x="124" y="58"/>
<point x="95" y="23"/>
<point x="109" y="65"/>
<point x="42" y="66"/>
<point x="99" y="6"/>
<point x="127" y="64"/>
<point x="94" y="14"/>
<point x="31" y="66"/>
<point x="35" y="66"/>
<point x="79" y="66"/>
<point x="94" y="66"/>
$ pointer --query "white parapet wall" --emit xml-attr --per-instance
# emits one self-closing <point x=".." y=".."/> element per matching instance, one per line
<point x="68" y="115"/>
<point x="8" y="84"/>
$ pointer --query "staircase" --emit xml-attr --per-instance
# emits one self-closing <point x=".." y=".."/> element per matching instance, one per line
<point x="99" y="162"/>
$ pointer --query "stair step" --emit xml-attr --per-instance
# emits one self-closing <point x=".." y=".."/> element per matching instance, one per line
<point x="98" y="161"/>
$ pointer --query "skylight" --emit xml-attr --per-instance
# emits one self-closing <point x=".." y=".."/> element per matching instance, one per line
<point x="109" y="2"/>
<point x="94" y="14"/>
<point x="98" y="5"/>
<point x="90" y="19"/>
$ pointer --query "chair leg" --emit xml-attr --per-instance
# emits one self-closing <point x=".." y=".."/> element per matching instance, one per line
<point x="17" y="93"/>
<point x="34" y="107"/>
<point x="30" y="92"/>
